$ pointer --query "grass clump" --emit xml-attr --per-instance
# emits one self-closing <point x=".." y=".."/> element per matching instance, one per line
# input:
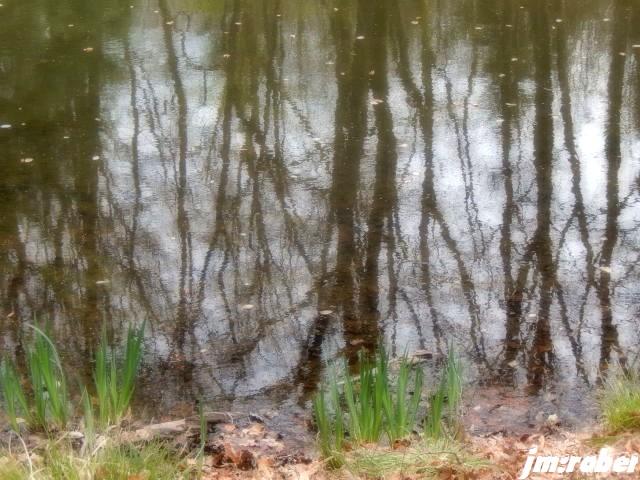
<point x="11" y="469"/>
<point x="330" y="423"/>
<point x="620" y="402"/>
<point x="60" y="461"/>
<point x="372" y="403"/>
<point x="426" y="459"/>
<point x="365" y="398"/>
<point x="48" y="383"/>
<point x="115" y="383"/>
<point x="153" y="460"/>
<point x="401" y="404"/>
<point x="445" y="402"/>
<point x="377" y="405"/>
<point x="48" y="406"/>
<point x="45" y="403"/>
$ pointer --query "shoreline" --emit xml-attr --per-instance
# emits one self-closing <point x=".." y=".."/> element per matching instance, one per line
<point x="249" y="446"/>
<point x="242" y="446"/>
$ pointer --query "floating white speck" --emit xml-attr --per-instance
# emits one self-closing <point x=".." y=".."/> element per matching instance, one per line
<point x="95" y="157"/>
<point x="326" y="312"/>
<point x="553" y="419"/>
<point x="605" y="270"/>
<point x="5" y="126"/>
<point x="360" y="37"/>
<point x="248" y="306"/>
<point x="102" y="282"/>
<point x="26" y="160"/>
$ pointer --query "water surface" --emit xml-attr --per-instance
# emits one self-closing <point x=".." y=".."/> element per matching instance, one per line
<point x="272" y="183"/>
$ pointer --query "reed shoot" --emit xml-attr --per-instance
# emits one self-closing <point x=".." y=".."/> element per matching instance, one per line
<point x="89" y="418"/>
<point x="401" y="406"/>
<point x="115" y="383"/>
<point x="377" y="402"/>
<point x="48" y="383"/>
<point x="445" y="402"/>
<point x="14" y="397"/>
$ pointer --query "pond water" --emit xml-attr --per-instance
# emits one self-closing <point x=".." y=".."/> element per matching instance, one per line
<point x="270" y="184"/>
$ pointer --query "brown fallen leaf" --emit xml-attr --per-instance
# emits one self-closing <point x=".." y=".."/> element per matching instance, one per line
<point x="246" y="461"/>
<point x="228" y="427"/>
<point x="255" y="430"/>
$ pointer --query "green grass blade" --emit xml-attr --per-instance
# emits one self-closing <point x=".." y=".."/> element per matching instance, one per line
<point x="48" y="382"/>
<point x="337" y="410"/>
<point x="115" y="383"/>
<point x="322" y="422"/>
<point x="88" y="419"/>
<point x="13" y="393"/>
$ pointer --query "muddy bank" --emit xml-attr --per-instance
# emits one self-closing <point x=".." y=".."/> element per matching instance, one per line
<point x="252" y="446"/>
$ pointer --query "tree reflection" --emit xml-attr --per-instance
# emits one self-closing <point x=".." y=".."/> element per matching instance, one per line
<point x="275" y="184"/>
